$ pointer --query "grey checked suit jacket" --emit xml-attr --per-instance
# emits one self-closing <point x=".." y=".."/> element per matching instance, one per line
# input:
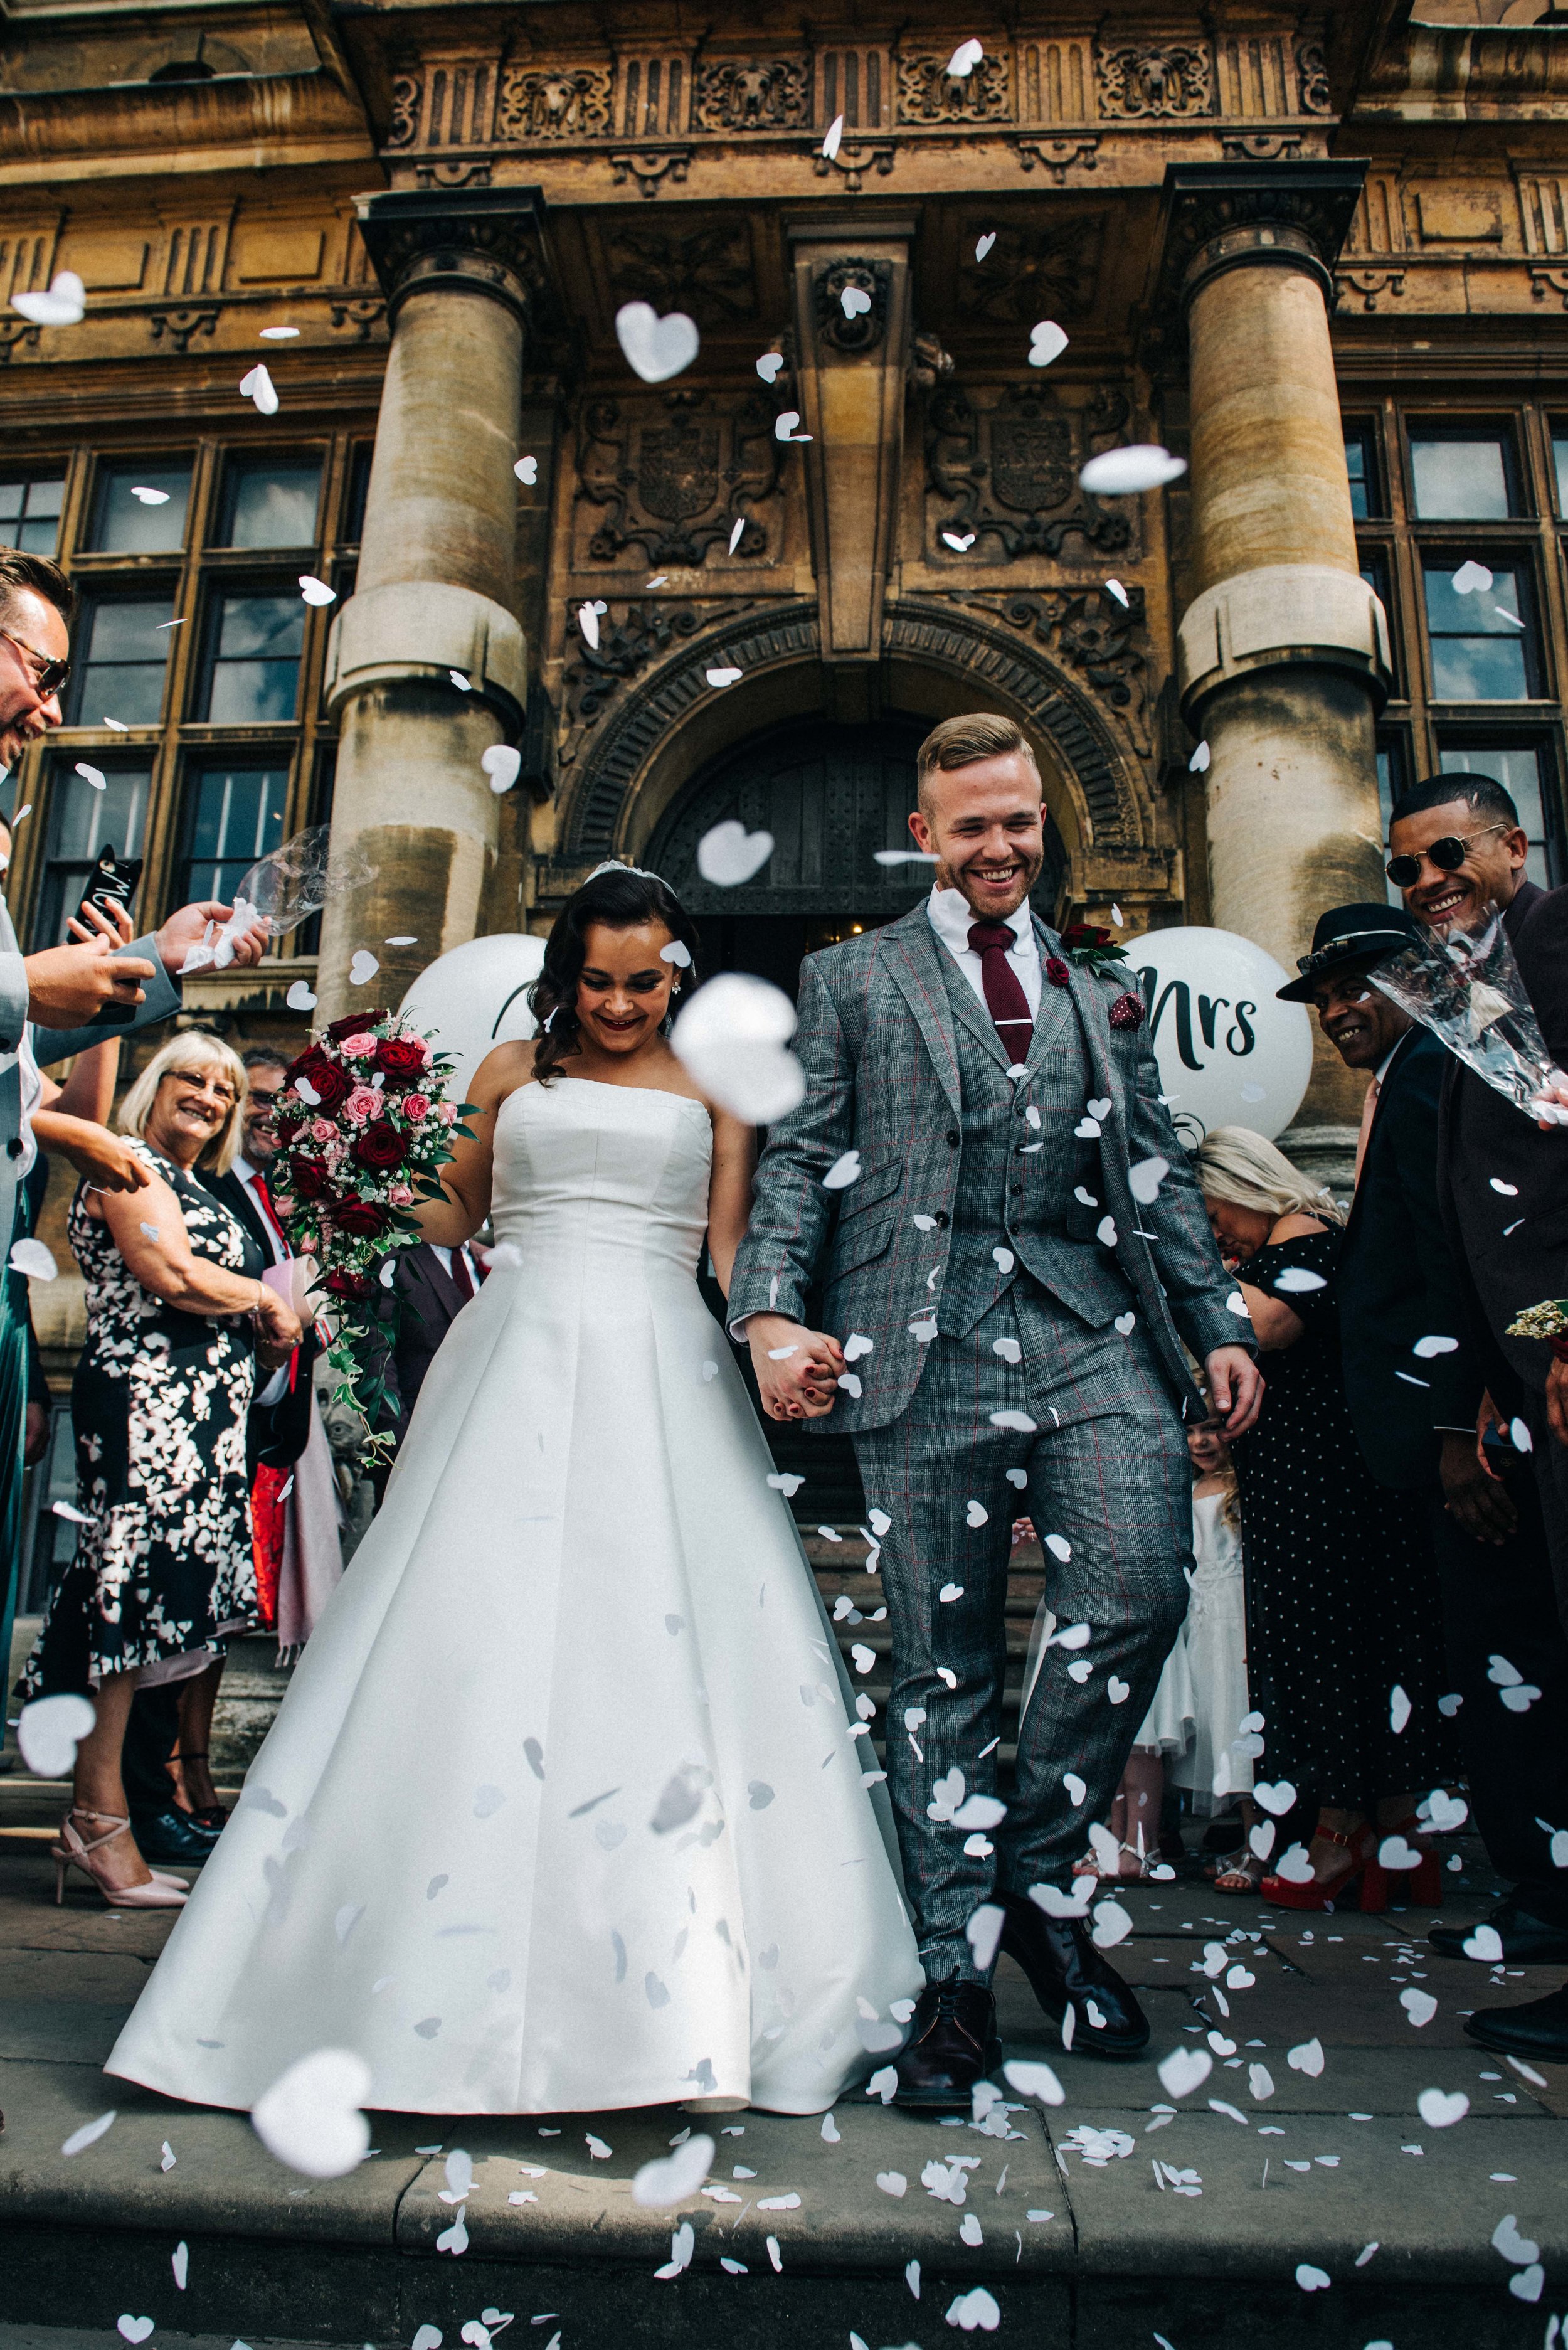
<point x="879" y="1043"/>
<point x="52" y="1045"/>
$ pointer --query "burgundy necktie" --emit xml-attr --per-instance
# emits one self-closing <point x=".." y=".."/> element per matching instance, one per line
<point x="1004" y="996"/>
<point x="462" y="1279"/>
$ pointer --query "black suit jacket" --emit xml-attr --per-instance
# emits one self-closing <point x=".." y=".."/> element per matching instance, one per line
<point x="1513" y="1244"/>
<point x="431" y="1302"/>
<point x="1398" y="1281"/>
<point x="276" y="1434"/>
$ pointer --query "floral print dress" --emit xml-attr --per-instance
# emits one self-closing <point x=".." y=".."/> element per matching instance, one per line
<point x="163" y="1566"/>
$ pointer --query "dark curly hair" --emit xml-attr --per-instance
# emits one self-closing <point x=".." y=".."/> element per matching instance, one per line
<point x="622" y="899"/>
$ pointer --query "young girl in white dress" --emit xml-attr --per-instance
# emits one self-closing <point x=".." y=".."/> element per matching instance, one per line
<point x="562" y="1811"/>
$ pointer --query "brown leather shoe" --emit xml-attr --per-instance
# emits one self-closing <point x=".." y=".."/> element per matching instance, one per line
<point x="953" y="2044"/>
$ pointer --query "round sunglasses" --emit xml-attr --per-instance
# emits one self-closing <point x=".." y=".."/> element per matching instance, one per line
<point x="1448" y="855"/>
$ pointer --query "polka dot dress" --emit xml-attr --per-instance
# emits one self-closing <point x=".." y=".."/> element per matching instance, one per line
<point x="1342" y="1596"/>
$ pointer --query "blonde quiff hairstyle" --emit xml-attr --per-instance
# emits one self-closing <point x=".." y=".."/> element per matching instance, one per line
<point x="196" y="1048"/>
<point x="1234" y="1164"/>
<point x="960" y="742"/>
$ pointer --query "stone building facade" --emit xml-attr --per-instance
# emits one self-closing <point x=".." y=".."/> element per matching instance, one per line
<point x="1322" y="252"/>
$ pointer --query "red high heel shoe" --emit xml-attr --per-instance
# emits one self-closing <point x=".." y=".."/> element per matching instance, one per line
<point x="1423" y="1886"/>
<point x="1364" y="1886"/>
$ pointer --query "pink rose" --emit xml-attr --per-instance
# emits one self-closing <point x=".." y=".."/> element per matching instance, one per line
<point x="416" y="1109"/>
<point x="359" y="1046"/>
<point x="323" y="1131"/>
<point x="447" y="1113"/>
<point x="363" y="1104"/>
<point x="400" y="1196"/>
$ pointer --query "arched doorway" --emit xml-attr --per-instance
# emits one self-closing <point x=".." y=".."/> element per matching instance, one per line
<point x="831" y="795"/>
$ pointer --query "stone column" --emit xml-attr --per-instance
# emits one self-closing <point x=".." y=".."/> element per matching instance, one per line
<point x="1284" y="648"/>
<point x="435" y="592"/>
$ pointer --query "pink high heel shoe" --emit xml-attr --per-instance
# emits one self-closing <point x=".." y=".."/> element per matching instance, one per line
<point x="74" y="1851"/>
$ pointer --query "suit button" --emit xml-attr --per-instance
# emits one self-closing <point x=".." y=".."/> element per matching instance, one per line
<point x="15" y="1146"/>
<point x="1015" y="1189"/>
<point x="954" y="1136"/>
<point x="941" y="1220"/>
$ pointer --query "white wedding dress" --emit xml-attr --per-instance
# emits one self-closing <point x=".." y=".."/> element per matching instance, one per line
<point x="561" y="1811"/>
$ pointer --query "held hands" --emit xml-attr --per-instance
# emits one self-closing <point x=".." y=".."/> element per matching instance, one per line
<point x="797" y="1371"/>
<point x="1474" y="1495"/>
<point x="1236" y="1385"/>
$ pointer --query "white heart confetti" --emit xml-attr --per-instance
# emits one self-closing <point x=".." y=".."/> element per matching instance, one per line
<point x="1278" y="1799"/>
<point x="985" y="244"/>
<point x="48" y="1732"/>
<point x="1047" y="341"/>
<point x="658" y="2186"/>
<point x="1122" y="473"/>
<point x="31" y="1257"/>
<point x="301" y="996"/>
<point x="258" y="385"/>
<point x="727" y="854"/>
<point x="834" y="134"/>
<point x="310" y="2117"/>
<point x="315" y="591"/>
<point x="965" y="58"/>
<point x="64" y="305"/>
<point x="1472" y="576"/>
<point x="720" y="678"/>
<point x="528" y="471"/>
<point x="1441" y="2108"/>
<point x="503" y="763"/>
<point x="362" y="970"/>
<point x="770" y="366"/>
<point x="94" y="775"/>
<point x="1184" y="2070"/>
<point x="656" y="347"/>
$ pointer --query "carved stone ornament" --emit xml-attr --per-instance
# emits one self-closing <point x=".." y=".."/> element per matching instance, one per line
<point x="651" y="171"/>
<point x="677" y="485"/>
<point x="834" y="324"/>
<point x="1041" y="268"/>
<point x="771" y="95"/>
<point x="631" y="635"/>
<point x="1089" y="631"/>
<point x="928" y="93"/>
<point x="1311" y="78"/>
<point x="1010" y="473"/>
<point x="1260" y="146"/>
<point x="1368" y="285"/>
<point x="407" y="93"/>
<point x="705" y="270"/>
<point x="176" y="328"/>
<point x="474" y="173"/>
<point x="854" y="159"/>
<point x="488" y="238"/>
<point x="560" y="102"/>
<point x="1058" y="155"/>
<point x="1145" y="82"/>
<point x="362" y="314"/>
<point x="16" y="335"/>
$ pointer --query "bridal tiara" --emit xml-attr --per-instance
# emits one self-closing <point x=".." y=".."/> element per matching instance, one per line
<point x="614" y="865"/>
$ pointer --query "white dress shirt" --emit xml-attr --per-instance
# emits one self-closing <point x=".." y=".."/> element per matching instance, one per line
<point x="950" y="915"/>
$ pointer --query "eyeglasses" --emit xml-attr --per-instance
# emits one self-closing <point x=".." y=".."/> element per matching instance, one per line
<point x="50" y="675"/>
<point x="1448" y="855"/>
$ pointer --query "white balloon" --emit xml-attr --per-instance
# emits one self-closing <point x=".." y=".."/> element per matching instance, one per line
<point x="475" y="998"/>
<point x="1229" y="1053"/>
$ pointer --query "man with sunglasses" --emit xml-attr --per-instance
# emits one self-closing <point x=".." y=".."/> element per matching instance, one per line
<point x="1456" y="846"/>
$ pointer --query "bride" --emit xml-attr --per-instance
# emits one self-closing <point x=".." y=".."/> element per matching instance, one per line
<point x="565" y="1808"/>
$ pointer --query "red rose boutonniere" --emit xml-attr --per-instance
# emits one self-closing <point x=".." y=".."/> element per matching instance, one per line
<point x="1056" y="970"/>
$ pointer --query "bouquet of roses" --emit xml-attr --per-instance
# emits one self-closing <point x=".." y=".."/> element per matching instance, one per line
<point x="364" y="1130"/>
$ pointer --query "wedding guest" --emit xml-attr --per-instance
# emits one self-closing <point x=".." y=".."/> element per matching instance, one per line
<point x="177" y="1321"/>
<point x="431" y="1285"/>
<point x="1456" y="846"/>
<point x="1341" y="1597"/>
<point x="1217" y="1766"/>
<point x="1413" y="1384"/>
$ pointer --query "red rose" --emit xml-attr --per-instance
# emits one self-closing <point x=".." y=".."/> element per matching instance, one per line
<point x="1127" y="1012"/>
<point x="1056" y="970"/>
<point x="360" y="1219"/>
<point x="330" y="1082"/>
<point x="310" y="1179"/>
<point x="402" y="1058"/>
<point x="1080" y="935"/>
<point x="355" y="1285"/>
<point x="351" y="1026"/>
<point x="378" y="1146"/>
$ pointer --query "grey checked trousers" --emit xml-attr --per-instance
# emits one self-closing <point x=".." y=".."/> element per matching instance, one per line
<point x="1107" y="1470"/>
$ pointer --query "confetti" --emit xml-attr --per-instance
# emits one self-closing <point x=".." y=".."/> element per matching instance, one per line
<point x="301" y="996"/>
<point x="834" y="134"/>
<point x="1047" y="341"/>
<point x="88" y="2134"/>
<point x="310" y="2117"/>
<point x="31" y="1257"/>
<point x="1122" y="473"/>
<point x="315" y="591"/>
<point x="94" y="775"/>
<point x="64" y="305"/>
<point x="503" y="763"/>
<point x="770" y="366"/>
<point x="656" y="347"/>
<point x="1441" y="2108"/>
<point x="257" y="386"/>
<point x="528" y="471"/>
<point x="727" y="854"/>
<point x="1472" y="578"/>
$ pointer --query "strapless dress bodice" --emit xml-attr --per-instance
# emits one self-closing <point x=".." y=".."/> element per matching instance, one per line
<point x="589" y="1173"/>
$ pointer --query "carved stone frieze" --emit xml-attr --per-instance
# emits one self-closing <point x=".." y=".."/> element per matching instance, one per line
<point x="705" y="270"/>
<point x="362" y="314"/>
<point x="854" y="159"/>
<point x="1090" y="632"/>
<point x="1037" y="269"/>
<point x="1005" y="476"/>
<point x="1311" y="78"/>
<point x="927" y="92"/>
<point x="16" y="335"/>
<point x="631" y="635"/>
<point x="488" y="239"/>
<point x="676" y="480"/>
<point x="1368" y="284"/>
<point x="407" y="95"/>
<point x="772" y="94"/>
<point x="1145" y="81"/>
<point x="1260" y="146"/>
<point x="859" y="324"/>
<point x="554" y="102"/>
<point x="1058" y="155"/>
<point x="651" y="171"/>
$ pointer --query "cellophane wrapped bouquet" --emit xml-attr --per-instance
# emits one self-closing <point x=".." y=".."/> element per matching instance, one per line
<point x="365" y="1128"/>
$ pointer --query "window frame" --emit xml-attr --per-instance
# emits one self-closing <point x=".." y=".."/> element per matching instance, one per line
<point x="238" y="462"/>
<point x="218" y="592"/>
<point x="1422" y="425"/>
<point x="1437" y="553"/>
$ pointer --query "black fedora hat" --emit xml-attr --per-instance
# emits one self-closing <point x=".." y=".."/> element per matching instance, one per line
<point x="1347" y="936"/>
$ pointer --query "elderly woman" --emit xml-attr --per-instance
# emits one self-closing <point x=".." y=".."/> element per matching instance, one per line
<point x="1341" y="1606"/>
<point x="178" y="1318"/>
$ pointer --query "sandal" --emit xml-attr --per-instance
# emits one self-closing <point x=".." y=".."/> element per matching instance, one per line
<point x="1241" y="1871"/>
<point x="212" y="1816"/>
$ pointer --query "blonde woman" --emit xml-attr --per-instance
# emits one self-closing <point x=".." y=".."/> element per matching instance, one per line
<point x="1342" y="1605"/>
<point x="177" y="1319"/>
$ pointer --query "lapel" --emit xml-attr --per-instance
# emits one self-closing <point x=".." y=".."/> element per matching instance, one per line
<point x="1056" y="1006"/>
<point x="1055" y="1002"/>
<point x="1401" y="1051"/>
<point x="442" y="1287"/>
<point x="910" y="952"/>
<point x="968" y="1007"/>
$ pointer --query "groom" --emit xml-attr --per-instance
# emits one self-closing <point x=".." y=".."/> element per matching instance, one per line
<point x="1008" y="1312"/>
